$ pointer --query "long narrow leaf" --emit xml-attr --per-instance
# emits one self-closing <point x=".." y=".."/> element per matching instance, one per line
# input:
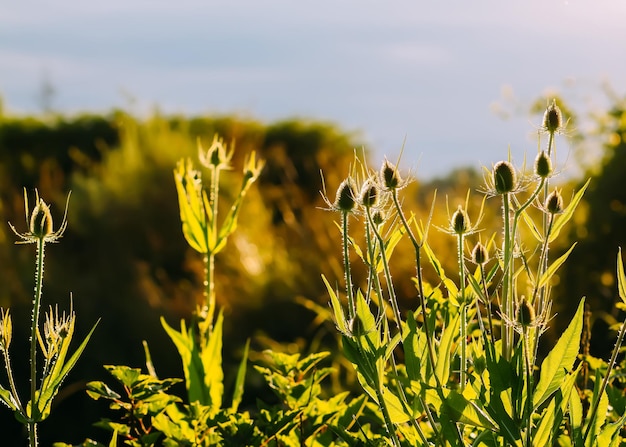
<point x="560" y="360"/>
<point x="621" y="277"/>
<point x="241" y="377"/>
<point x="545" y="278"/>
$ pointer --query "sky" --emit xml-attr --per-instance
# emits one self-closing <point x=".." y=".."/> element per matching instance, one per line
<point x="449" y="80"/>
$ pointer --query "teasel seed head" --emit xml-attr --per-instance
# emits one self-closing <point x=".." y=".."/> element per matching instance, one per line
<point x="369" y="194"/>
<point x="552" y="118"/>
<point x="504" y="177"/>
<point x="460" y="222"/>
<point x="389" y="175"/>
<point x="344" y="200"/>
<point x="525" y="313"/>
<point x="554" y="202"/>
<point x="543" y="165"/>
<point x="479" y="254"/>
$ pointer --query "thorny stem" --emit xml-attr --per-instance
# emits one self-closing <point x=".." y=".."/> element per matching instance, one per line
<point x="420" y="281"/>
<point x="32" y="425"/>
<point x="543" y="266"/>
<point x="390" y="289"/>
<point x="463" y="340"/>
<point x="507" y="285"/>
<point x="529" y="377"/>
<point x="483" y="281"/>
<point x="209" y="260"/>
<point x="346" y="264"/>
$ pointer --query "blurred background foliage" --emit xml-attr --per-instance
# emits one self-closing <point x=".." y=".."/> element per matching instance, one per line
<point x="124" y="258"/>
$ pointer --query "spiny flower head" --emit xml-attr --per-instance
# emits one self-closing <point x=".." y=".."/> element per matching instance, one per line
<point x="553" y="119"/>
<point x="345" y="198"/>
<point x="479" y="254"/>
<point x="543" y="165"/>
<point x="40" y="223"/>
<point x="460" y="223"/>
<point x="554" y="202"/>
<point x="504" y="177"/>
<point x="370" y="194"/>
<point x="525" y="314"/>
<point x="389" y="176"/>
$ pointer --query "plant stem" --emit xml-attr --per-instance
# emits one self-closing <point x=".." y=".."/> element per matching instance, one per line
<point x="209" y="260"/>
<point x="346" y="265"/>
<point x="529" y="377"/>
<point x="463" y="340"/>
<point x="32" y="425"/>
<point x="390" y="289"/>
<point x="507" y="285"/>
<point x="420" y="282"/>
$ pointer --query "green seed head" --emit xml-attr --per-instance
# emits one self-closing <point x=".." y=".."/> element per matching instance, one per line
<point x="552" y="118"/>
<point x="41" y="221"/>
<point x="369" y="194"/>
<point x="378" y="217"/>
<point x="525" y="313"/>
<point x="344" y="200"/>
<point x="554" y="202"/>
<point x="460" y="222"/>
<point x="543" y="165"/>
<point x="479" y="254"/>
<point x="504" y="177"/>
<point x="389" y="175"/>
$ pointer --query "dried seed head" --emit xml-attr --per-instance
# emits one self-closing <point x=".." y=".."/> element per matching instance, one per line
<point x="543" y="165"/>
<point x="41" y="221"/>
<point x="525" y="313"/>
<point x="504" y="177"/>
<point x="369" y="194"/>
<point x="217" y="156"/>
<point x="552" y="118"/>
<point x="479" y="254"/>
<point x="389" y="175"/>
<point x="554" y="202"/>
<point x="460" y="222"/>
<point x="344" y="201"/>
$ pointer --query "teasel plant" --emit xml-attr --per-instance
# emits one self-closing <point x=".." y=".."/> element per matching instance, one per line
<point x="55" y="339"/>
<point x="199" y="345"/>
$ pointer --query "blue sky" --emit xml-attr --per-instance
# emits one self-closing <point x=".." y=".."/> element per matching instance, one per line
<point x="441" y="74"/>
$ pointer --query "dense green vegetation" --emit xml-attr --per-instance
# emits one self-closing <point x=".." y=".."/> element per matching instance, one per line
<point x="125" y="260"/>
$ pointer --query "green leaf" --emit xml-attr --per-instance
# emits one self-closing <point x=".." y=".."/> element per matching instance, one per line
<point x="621" y="277"/>
<point x="97" y="390"/>
<point x="462" y="410"/>
<point x="547" y="275"/>
<point x="340" y="319"/>
<point x="241" y="377"/>
<point x="599" y="417"/>
<point x="560" y="360"/>
<point x="567" y="213"/>
<point x="192" y="364"/>
<point x="7" y="398"/>
<point x="444" y="353"/>
<point x="52" y="382"/>
<point x="192" y="211"/>
<point x="211" y="356"/>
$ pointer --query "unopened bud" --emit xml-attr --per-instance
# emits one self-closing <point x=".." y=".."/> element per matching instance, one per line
<point x="344" y="200"/>
<point x="554" y="202"/>
<point x="369" y="194"/>
<point x="479" y="254"/>
<point x="389" y="175"/>
<point x="543" y="165"/>
<point x="41" y="221"/>
<point x="460" y="222"/>
<point x="552" y="118"/>
<point x="504" y="177"/>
